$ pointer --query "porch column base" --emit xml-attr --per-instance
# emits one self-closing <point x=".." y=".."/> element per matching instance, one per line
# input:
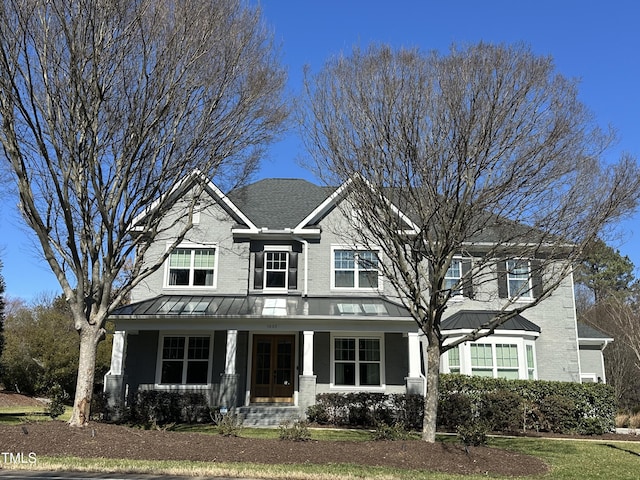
<point x="415" y="385"/>
<point x="114" y="387"/>
<point x="228" y="393"/>
<point x="306" y="393"/>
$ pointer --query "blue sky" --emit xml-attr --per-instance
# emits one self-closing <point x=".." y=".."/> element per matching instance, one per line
<point x="595" y="41"/>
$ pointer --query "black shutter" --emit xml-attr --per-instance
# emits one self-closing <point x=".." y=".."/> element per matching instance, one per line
<point x="258" y="271"/>
<point x="536" y="278"/>
<point x="467" y="284"/>
<point x="293" y="270"/>
<point x="503" y="292"/>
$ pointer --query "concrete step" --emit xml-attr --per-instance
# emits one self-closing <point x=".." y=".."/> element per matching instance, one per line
<point x="268" y="415"/>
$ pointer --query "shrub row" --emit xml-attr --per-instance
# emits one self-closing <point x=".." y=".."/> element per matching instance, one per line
<point x="367" y="410"/>
<point x="157" y="408"/>
<point x="518" y="405"/>
<point x="499" y="404"/>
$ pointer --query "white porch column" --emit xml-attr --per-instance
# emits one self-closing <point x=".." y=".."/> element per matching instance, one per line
<point x="414" y="355"/>
<point x="307" y="349"/>
<point x="230" y="359"/>
<point x="117" y="352"/>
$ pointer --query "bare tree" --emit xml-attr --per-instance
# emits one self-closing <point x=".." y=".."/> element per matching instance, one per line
<point x="485" y="152"/>
<point x="106" y="107"/>
<point x="619" y="317"/>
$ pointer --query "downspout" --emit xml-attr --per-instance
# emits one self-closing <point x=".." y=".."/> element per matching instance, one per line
<point x="305" y="290"/>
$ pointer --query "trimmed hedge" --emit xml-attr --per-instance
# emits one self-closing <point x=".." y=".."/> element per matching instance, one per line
<point x="367" y="410"/>
<point x="157" y="408"/>
<point x="502" y="405"/>
<point x="564" y="407"/>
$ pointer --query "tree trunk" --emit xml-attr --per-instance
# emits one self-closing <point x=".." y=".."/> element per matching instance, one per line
<point x="90" y="336"/>
<point x="431" y="398"/>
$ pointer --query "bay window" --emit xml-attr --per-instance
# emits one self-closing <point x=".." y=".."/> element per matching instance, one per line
<point x="496" y="357"/>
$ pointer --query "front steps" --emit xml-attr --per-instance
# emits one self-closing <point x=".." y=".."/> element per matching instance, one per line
<point x="268" y="415"/>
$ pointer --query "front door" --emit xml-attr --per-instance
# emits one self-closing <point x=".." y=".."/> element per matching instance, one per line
<point x="272" y="368"/>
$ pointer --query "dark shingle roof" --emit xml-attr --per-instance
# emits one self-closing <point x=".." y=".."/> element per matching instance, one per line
<point x="279" y="203"/>
<point x="585" y="331"/>
<point x="470" y="319"/>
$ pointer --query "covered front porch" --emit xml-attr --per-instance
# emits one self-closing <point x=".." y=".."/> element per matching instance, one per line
<point x="263" y="350"/>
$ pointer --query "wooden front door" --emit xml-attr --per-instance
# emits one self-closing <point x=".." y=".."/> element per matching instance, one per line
<point x="272" y="368"/>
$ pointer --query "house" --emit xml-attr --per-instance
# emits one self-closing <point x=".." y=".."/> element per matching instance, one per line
<point x="265" y="303"/>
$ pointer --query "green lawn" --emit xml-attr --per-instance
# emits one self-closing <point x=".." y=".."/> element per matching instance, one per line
<point x="569" y="459"/>
<point x="17" y="415"/>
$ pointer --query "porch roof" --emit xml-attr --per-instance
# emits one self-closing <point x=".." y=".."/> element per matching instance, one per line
<point x="471" y="319"/>
<point x="222" y="306"/>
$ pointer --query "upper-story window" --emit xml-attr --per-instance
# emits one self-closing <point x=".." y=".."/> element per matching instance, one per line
<point x="457" y="279"/>
<point x="519" y="278"/>
<point x="192" y="267"/>
<point x="276" y="268"/>
<point x="357" y="269"/>
<point x="453" y="276"/>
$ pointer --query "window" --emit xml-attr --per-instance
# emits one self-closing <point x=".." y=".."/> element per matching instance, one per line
<point x="507" y="361"/>
<point x="192" y="267"/>
<point x="497" y="357"/>
<point x="355" y="269"/>
<point x="357" y="362"/>
<point x="453" y="276"/>
<point x="184" y="360"/>
<point x="531" y="369"/>
<point x="275" y="269"/>
<point x="481" y="360"/>
<point x="518" y="278"/>
<point x="454" y="360"/>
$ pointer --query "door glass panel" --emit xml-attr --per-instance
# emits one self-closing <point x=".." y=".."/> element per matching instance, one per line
<point x="284" y="357"/>
<point x="263" y="362"/>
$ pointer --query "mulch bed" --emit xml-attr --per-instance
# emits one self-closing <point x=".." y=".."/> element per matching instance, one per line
<point x="98" y="440"/>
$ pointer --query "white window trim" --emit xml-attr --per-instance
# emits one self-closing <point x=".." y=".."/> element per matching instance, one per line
<point x="493" y="340"/>
<point x="588" y="376"/>
<point x="351" y="388"/>
<point x="192" y="246"/>
<point x="524" y="295"/>
<point x="355" y="248"/>
<point x="182" y="386"/>
<point x="459" y="295"/>
<point x="276" y="248"/>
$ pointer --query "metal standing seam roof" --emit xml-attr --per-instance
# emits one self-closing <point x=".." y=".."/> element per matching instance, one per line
<point x="257" y="305"/>
<point x="471" y="319"/>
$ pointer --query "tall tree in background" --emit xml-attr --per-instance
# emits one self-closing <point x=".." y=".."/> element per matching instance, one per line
<point x="489" y="154"/>
<point x="105" y="107"/>
<point x="41" y="348"/>
<point x="611" y="306"/>
<point x="605" y="272"/>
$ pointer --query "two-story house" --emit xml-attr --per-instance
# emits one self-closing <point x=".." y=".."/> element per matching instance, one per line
<point x="265" y="302"/>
